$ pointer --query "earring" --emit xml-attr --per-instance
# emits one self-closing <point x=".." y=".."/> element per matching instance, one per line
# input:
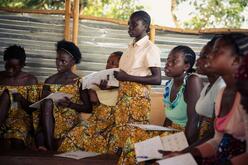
<point x="206" y="65"/>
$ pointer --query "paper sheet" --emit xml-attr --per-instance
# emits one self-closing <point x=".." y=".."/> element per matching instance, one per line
<point x="174" y="142"/>
<point x="54" y="96"/>
<point x="12" y="91"/>
<point x="185" y="159"/>
<point x="14" y="104"/>
<point x="96" y="77"/>
<point x="108" y="97"/>
<point x="148" y="149"/>
<point x="77" y="154"/>
<point x="151" y="127"/>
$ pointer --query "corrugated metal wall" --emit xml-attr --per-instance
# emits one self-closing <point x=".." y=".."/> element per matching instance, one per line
<point x="39" y="33"/>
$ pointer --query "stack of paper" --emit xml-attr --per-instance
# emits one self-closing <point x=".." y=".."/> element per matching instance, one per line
<point x="77" y="154"/>
<point x="148" y="149"/>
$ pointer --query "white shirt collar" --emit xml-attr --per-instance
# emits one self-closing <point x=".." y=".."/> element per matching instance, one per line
<point x="140" y="42"/>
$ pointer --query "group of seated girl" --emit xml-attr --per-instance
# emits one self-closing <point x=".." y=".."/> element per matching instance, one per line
<point x="25" y="126"/>
<point x="210" y="116"/>
<point x="225" y="54"/>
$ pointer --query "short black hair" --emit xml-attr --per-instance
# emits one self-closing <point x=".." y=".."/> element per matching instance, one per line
<point x="70" y="48"/>
<point x="15" y="52"/>
<point x="118" y="53"/>
<point x="144" y="16"/>
<point x="189" y="54"/>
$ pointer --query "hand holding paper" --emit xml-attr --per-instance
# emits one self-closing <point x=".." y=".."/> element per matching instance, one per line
<point x="148" y="149"/>
<point x="65" y="102"/>
<point x="54" y="96"/>
<point x="121" y="75"/>
<point x="95" y="78"/>
<point x="104" y="84"/>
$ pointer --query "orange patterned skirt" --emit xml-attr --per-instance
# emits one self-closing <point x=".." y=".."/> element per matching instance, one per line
<point x="133" y="106"/>
<point x="93" y="134"/>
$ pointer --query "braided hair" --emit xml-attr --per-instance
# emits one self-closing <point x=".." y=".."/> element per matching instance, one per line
<point x="189" y="55"/>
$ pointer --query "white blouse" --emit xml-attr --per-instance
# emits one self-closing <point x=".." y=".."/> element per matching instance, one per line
<point x="139" y="57"/>
<point x="206" y="102"/>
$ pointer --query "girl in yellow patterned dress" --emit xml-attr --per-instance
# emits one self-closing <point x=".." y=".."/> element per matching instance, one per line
<point x="92" y="135"/>
<point x="18" y="90"/>
<point x="139" y="68"/>
<point x="55" y="119"/>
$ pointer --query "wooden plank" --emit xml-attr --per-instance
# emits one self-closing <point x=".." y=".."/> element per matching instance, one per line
<point x="152" y="33"/>
<point x="67" y="19"/>
<point x="75" y="21"/>
<point x="33" y="11"/>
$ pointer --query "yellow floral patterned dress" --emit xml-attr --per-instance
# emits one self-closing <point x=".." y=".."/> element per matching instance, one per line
<point x="91" y="135"/>
<point x="18" y="124"/>
<point x="65" y="118"/>
<point x="133" y="106"/>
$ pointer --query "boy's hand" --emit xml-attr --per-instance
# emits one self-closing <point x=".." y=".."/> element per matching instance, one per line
<point x="104" y="84"/>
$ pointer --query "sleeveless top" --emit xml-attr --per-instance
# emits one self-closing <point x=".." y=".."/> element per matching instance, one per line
<point x="176" y="110"/>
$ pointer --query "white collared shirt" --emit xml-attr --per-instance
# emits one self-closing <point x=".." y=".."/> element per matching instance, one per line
<point x="139" y="57"/>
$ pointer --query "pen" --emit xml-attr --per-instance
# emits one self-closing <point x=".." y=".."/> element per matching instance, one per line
<point x="142" y="157"/>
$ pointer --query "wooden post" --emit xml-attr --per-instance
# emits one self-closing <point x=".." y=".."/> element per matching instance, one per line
<point x="75" y="21"/>
<point x="152" y="33"/>
<point x="67" y="20"/>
